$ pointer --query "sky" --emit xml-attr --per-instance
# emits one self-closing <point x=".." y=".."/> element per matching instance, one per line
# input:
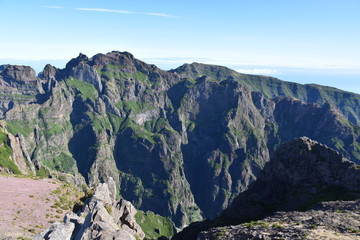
<point x="308" y="41"/>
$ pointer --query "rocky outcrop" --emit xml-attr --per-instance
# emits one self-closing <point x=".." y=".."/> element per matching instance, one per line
<point x="339" y="220"/>
<point x="88" y="74"/>
<point x="102" y="217"/>
<point x="48" y="73"/>
<point x="19" y="74"/>
<point x="301" y="173"/>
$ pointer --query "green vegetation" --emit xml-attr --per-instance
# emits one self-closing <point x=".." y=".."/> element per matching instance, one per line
<point x="19" y="127"/>
<point x="64" y="162"/>
<point x="6" y="154"/>
<point x="252" y="224"/>
<point x="115" y="122"/>
<point x="138" y="131"/>
<point x="42" y="172"/>
<point x="134" y="187"/>
<point x="99" y="122"/>
<point x="79" y="202"/>
<point x="137" y="76"/>
<point x="313" y="226"/>
<point x="54" y="129"/>
<point x="153" y="225"/>
<point x="87" y="90"/>
<point x="117" y="72"/>
<point x="352" y="230"/>
<point x="158" y="125"/>
<point x="134" y="106"/>
<point x="68" y="196"/>
<point x="277" y="225"/>
<point x="108" y="208"/>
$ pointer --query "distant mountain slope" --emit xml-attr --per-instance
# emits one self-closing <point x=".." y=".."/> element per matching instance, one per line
<point x="348" y="103"/>
<point x="181" y="143"/>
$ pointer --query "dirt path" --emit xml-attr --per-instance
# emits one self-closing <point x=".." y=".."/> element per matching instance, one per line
<point x="25" y="206"/>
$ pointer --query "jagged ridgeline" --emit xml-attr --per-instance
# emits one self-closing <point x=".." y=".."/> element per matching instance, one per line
<point x="181" y="143"/>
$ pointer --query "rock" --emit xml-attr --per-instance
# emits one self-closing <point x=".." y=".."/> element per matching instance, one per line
<point x="19" y="73"/>
<point x="300" y="174"/>
<point x="58" y="231"/>
<point x="88" y="74"/>
<point x="49" y="72"/>
<point x="101" y="218"/>
<point x="329" y="220"/>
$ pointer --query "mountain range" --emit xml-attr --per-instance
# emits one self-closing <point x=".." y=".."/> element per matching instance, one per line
<point x="182" y="143"/>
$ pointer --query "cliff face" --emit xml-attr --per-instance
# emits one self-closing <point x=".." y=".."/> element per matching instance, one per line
<point x="181" y="143"/>
<point x="300" y="174"/>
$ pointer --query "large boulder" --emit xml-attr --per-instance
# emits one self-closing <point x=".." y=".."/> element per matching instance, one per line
<point x="102" y="217"/>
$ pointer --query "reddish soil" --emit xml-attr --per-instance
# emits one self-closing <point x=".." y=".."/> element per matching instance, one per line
<point x="25" y="206"/>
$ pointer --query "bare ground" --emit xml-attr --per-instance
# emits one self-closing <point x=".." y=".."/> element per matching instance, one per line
<point x="26" y="206"/>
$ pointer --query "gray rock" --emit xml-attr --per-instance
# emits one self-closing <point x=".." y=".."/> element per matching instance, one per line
<point x="58" y="231"/>
<point x="301" y="173"/>
<point x="329" y="220"/>
<point x="87" y="73"/>
<point x="101" y="218"/>
<point x="19" y="73"/>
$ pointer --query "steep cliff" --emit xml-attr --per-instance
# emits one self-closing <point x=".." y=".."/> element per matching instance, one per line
<point x="300" y="174"/>
<point x="181" y="143"/>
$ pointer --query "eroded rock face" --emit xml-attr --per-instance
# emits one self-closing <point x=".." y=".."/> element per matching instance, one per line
<point x="301" y="173"/>
<point x="49" y="72"/>
<point x="19" y="73"/>
<point x="88" y="74"/>
<point x="102" y="217"/>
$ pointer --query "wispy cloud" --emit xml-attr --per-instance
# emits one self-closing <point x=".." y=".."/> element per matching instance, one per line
<point x="105" y="10"/>
<point x="125" y="12"/>
<point x="159" y="15"/>
<point x="54" y="7"/>
<point x="258" y="71"/>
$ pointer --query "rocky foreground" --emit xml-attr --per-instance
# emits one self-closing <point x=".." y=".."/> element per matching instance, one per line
<point x="338" y="220"/>
<point x="301" y="174"/>
<point x="102" y="218"/>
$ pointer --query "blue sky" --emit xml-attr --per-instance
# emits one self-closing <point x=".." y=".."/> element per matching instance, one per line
<point x="309" y="41"/>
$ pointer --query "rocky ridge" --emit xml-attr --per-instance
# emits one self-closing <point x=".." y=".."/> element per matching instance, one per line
<point x="171" y="140"/>
<point x="337" y="220"/>
<point x="102" y="217"/>
<point x="300" y="174"/>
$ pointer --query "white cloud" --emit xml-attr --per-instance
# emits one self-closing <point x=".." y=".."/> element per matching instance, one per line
<point x="54" y="7"/>
<point x="105" y="10"/>
<point x="265" y="71"/>
<point x="159" y="15"/>
<point x="125" y="12"/>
